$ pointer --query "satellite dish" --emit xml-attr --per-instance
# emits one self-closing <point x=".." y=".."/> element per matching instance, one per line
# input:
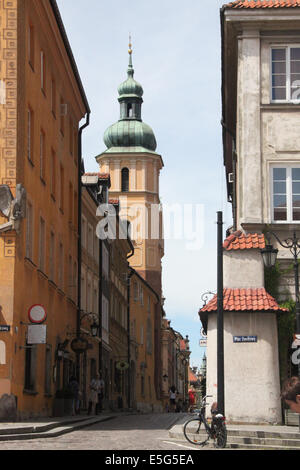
<point x="6" y="199"/>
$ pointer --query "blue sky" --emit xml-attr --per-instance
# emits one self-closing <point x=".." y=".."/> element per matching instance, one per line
<point x="177" y="59"/>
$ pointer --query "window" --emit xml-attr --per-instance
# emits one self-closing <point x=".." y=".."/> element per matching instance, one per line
<point x="53" y="96"/>
<point x="31" y="45"/>
<point x="30" y="134"/>
<point x="42" y="245"/>
<point x="52" y="256"/>
<point x="135" y="292"/>
<point x="125" y="180"/>
<point x="53" y="174"/>
<point x="286" y="193"/>
<point x="90" y="240"/>
<point x="61" y="194"/>
<point x="105" y="262"/>
<point x="42" y="155"/>
<point x="70" y="269"/>
<point x="29" y="231"/>
<point x="61" y="267"/>
<point x="83" y="231"/>
<point x="63" y="112"/>
<point x="43" y="72"/>
<point x="71" y="210"/>
<point x="285" y="76"/>
<point x="71" y="137"/>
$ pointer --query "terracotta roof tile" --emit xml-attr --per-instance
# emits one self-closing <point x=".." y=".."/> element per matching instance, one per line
<point x="241" y="241"/>
<point x="100" y="175"/>
<point x="237" y="300"/>
<point x="263" y="4"/>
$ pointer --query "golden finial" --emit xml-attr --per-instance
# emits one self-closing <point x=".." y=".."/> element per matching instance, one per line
<point x="130" y="45"/>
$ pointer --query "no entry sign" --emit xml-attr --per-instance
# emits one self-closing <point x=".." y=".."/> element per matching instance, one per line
<point x="37" y="314"/>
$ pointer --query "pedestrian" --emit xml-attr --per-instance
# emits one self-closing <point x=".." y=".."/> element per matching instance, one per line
<point x="172" y="395"/>
<point x="100" y="394"/>
<point x="74" y="389"/>
<point x="291" y="393"/>
<point x="95" y="386"/>
<point x="191" y="399"/>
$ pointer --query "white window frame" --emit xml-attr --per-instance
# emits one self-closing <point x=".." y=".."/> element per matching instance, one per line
<point x="288" y="48"/>
<point x="288" y="166"/>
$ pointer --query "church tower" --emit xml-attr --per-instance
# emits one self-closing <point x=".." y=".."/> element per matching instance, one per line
<point x="134" y="168"/>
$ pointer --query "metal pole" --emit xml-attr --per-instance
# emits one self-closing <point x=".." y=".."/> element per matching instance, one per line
<point x="220" y="320"/>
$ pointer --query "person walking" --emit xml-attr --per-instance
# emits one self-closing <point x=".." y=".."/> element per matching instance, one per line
<point x="95" y="387"/>
<point x="172" y="395"/>
<point x="191" y="399"/>
<point x="100" y="394"/>
<point x="74" y="389"/>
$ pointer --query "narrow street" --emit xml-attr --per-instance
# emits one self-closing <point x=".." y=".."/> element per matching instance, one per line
<point x="136" y="432"/>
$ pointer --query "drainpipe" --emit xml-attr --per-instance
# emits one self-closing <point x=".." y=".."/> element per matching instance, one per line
<point x="79" y="238"/>
<point x="128" y="330"/>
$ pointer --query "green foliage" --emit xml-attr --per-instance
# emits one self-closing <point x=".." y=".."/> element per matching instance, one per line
<point x="285" y="320"/>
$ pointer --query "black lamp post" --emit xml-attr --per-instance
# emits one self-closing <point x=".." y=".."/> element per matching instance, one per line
<point x="269" y="255"/>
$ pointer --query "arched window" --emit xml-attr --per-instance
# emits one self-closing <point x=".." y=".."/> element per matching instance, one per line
<point x="125" y="180"/>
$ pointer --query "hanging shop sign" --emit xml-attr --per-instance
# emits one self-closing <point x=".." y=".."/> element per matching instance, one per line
<point x="122" y="365"/>
<point x="37" y="314"/>
<point x="79" y="345"/>
<point x="245" y="339"/>
<point x="203" y="342"/>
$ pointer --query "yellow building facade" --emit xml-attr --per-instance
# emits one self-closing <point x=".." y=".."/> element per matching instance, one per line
<point x="145" y="360"/>
<point x="42" y="104"/>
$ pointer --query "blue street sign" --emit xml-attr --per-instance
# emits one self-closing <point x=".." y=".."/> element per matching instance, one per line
<point x="245" y="339"/>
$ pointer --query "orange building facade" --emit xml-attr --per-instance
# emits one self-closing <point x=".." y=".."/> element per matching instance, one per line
<point x="145" y="359"/>
<point x="42" y="104"/>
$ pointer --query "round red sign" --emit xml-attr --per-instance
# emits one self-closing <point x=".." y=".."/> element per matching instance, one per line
<point x="37" y="314"/>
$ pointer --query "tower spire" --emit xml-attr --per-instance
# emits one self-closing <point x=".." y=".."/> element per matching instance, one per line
<point x="130" y="67"/>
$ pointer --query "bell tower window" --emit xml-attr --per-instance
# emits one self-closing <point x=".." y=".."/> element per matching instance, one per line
<point x="125" y="180"/>
<point x="129" y="110"/>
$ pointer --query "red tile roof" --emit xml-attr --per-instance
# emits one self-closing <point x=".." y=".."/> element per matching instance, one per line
<point x="100" y="175"/>
<point x="242" y="241"/>
<point x="115" y="202"/>
<point x="264" y="4"/>
<point x="192" y="376"/>
<point x="238" y="300"/>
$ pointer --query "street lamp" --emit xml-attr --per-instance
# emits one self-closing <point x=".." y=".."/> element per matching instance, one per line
<point x="269" y="255"/>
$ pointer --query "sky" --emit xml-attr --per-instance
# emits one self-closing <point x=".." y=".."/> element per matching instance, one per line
<point x="177" y="60"/>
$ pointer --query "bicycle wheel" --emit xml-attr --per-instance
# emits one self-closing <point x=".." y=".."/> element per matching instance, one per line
<point x="195" y="432"/>
<point x="221" y="436"/>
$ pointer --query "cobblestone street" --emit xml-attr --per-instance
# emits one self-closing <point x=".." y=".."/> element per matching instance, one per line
<point x="137" y="432"/>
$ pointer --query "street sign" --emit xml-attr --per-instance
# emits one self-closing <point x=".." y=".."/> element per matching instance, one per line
<point x="4" y="328"/>
<point x="245" y="339"/>
<point x="37" y="334"/>
<point x="37" y="314"/>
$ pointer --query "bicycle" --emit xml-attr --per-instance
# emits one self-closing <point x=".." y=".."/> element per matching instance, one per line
<point x="198" y="431"/>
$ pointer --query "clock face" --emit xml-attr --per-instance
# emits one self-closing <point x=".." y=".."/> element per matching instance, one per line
<point x="37" y="314"/>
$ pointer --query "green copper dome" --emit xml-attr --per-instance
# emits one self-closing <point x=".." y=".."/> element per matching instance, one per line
<point x="130" y="131"/>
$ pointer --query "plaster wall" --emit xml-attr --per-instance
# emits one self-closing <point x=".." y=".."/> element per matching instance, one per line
<point x="252" y="394"/>
<point x="243" y="269"/>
